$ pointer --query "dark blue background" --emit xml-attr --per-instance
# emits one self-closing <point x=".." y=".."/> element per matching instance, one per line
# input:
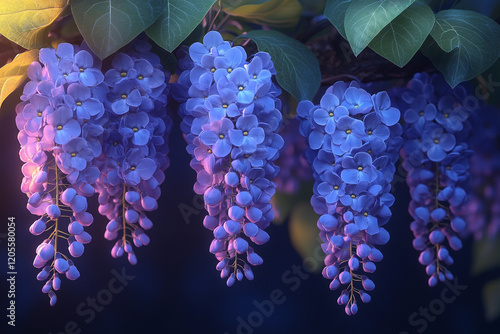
<point x="176" y="288"/>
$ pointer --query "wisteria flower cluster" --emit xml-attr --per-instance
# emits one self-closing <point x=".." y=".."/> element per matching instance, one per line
<point x="436" y="157"/>
<point x="231" y="117"/>
<point x="483" y="207"/>
<point x="59" y="144"/>
<point x="83" y="132"/>
<point x="354" y="139"/>
<point x="134" y="154"/>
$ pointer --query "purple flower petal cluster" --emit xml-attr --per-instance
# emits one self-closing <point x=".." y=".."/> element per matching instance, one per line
<point x="482" y="208"/>
<point x="59" y="143"/>
<point x="436" y="156"/>
<point x="83" y="131"/>
<point x="354" y="139"/>
<point x="134" y="153"/>
<point x="231" y="116"/>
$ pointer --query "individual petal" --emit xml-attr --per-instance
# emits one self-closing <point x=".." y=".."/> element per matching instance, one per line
<point x="390" y="116"/>
<point x="325" y="188"/>
<point x="236" y="137"/>
<point x="134" y="99"/>
<point x="88" y="78"/>
<point x="212" y="39"/>
<point x="350" y="176"/>
<point x="411" y="116"/>
<point x="246" y="96"/>
<point x="72" y="127"/>
<point x="436" y="153"/>
<point x="78" y="163"/>
<point x="208" y="137"/>
<point x="196" y="51"/>
<point x="257" y="134"/>
<point x="303" y="108"/>
<point x="329" y="101"/>
<point x="79" y="92"/>
<point x="122" y="62"/>
<point x="141" y="137"/>
<point x="93" y="107"/>
<point x="381" y="132"/>
<point x="120" y="107"/>
<point x="447" y="141"/>
<point x="221" y="148"/>
<point x="83" y="59"/>
<point x="146" y="168"/>
<point x="216" y="114"/>
<point x="33" y="125"/>
<point x="247" y="122"/>
<point x="321" y="116"/>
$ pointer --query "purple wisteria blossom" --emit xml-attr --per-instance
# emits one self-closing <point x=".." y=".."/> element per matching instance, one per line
<point x="436" y="157"/>
<point x="354" y="139"/>
<point x="230" y="118"/>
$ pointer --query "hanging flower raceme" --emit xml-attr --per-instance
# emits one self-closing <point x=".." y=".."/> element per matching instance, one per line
<point x="231" y="117"/>
<point x="134" y="154"/>
<point x="59" y="143"/>
<point x="436" y="156"/>
<point x="354" y="139"/>
<point x="483" y="207"/>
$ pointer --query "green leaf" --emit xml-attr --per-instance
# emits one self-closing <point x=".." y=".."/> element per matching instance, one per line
<point x="231" y="5"/>
<point x="491" y="299"/>
<point x="335" y="12"/>
<point x="177" y="20"/>
<point x="365" y="19"/>
<point x="296" y="66"/>
<point x="403" y="36"/>
<point x="27" y="22"/>
<point x="304" y="235"/>
<point x="108" y="25"/>
<point x="14" y="73"/>
<point x="463" y="44"/>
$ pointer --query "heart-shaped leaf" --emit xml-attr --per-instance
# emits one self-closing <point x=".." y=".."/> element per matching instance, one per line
<point x="365" y="19"/>
<point x="27" y="22"/>
<point x="463" y="44"/>
<point x="403" y="36"/>
<point x="177" y="20"/>
<point x="335" y="12"/>
<point x="108" y="25"/>
<point x="297" y="69"/>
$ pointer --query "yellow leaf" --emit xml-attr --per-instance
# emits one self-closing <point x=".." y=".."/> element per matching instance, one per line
<point x="14" y="73"/>
<point x="27" y="22"/>
<point x="280" y="13"/>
